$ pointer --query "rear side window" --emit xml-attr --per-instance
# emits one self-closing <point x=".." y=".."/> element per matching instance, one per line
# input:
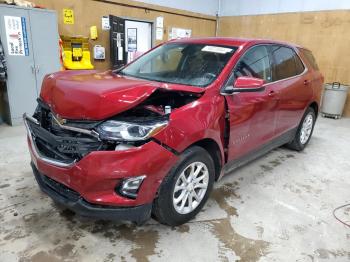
<point x="310" y="58"/>
<point x="286" y="63"/>
<point x="255" y="63"/>
<point x="299" y="65"/>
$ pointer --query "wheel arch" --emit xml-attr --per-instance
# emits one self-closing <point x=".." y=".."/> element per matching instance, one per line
<point x="213" y="149"/>
<point x="315" y="107"/>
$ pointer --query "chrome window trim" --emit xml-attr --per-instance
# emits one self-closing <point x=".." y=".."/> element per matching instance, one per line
<point x="306" y="69"/>
<point x="76" y="129"/>
<point x="35" y="150"/>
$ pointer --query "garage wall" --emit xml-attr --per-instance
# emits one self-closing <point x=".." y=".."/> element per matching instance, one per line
<point x="89" y="12"/>
<point x="208" y="7"/>
<point x="255" y="7"/>
<point x="326" y="33"/>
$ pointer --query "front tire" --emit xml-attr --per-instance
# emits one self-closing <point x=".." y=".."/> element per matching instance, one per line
<point x="186" y="188"/>
<point x="304" y="132"/>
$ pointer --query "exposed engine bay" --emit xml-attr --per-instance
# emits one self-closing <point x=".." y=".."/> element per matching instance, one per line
<point x="159" y="104"/>
<point x="56" y="138"/>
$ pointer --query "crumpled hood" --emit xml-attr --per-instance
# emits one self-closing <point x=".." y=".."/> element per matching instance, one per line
<point x="97" y="95"/>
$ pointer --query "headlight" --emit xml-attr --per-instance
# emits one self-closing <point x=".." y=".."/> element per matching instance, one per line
<point x="118" y="130"/>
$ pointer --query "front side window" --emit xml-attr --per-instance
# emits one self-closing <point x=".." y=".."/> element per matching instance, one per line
<point x="254" y="63"/>
<point x="188" y="64"/>
<point x="286" y="63"/>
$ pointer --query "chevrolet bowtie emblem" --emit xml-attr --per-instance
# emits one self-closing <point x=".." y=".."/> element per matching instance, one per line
<point x="60" y="120"/>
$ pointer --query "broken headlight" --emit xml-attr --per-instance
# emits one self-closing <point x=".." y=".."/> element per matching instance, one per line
<point x="125" y="131"/>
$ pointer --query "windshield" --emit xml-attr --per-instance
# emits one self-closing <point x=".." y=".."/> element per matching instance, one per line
<point x="188" y="64"/>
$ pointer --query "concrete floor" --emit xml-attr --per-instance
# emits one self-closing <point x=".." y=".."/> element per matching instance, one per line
<point x="278" y="208"/>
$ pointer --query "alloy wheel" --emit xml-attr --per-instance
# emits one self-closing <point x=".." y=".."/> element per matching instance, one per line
<point x="190" y="187"/>
<point x="306" y="129"/>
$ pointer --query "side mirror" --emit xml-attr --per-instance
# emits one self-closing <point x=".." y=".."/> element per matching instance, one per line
<point x="245" y="84"/>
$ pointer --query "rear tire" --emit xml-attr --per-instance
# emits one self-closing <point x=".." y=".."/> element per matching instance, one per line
<point x="184" y="191"/>
<point x="304" y="132"/>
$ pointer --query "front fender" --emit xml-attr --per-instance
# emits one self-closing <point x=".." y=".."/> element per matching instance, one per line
<point x="201" y="119"/>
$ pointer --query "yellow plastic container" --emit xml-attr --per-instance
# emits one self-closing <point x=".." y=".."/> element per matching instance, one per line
<point x="76" y="53"/>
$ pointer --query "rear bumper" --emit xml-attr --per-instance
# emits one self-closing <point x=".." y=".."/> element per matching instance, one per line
<point x="73" y="201"/>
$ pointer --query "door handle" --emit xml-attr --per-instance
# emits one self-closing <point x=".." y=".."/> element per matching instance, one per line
<point x="272" y="94"/>
<point x="35" y="69"/>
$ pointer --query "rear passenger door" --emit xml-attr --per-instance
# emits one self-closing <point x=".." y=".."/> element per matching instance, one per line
<point x="291" y="80"/>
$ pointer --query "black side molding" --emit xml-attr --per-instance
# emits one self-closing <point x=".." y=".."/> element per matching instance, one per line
<point x="263" y="150"/>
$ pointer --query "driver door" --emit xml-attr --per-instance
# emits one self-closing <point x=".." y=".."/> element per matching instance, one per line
<point x="252" y="115"/>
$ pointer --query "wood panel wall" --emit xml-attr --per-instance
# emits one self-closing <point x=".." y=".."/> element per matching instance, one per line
<point x="326" y="33"/>
<point x="89" y="12"/>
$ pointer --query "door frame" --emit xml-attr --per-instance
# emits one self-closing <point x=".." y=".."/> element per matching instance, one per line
<point x="153" y="26"/>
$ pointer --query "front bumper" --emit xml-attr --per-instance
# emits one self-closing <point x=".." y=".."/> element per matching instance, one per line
<point x="73" y="201"/>
<point x="95" y="177"/>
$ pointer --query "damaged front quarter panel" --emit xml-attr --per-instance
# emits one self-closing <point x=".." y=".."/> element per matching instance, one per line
<point x="193" y="117"/>
<point x="202" y="119"/>
<point x="138" y="125"/>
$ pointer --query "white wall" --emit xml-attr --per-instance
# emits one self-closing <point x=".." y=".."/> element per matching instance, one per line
<point x="207" y="7"/>
<point x="255" y="7"/>
<point x="144" y="35"/>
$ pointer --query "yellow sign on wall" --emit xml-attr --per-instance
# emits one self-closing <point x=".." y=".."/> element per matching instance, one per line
<point x="93" y="32"/>
<point x="68" y="16"/>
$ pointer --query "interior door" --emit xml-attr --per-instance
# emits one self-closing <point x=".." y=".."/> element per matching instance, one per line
<point x="252" y="115"/>
<point x="16" y="39"/>
<point x="138" y="38"/>
<point x="47" y="56"/>
<point x="117" y="42"/>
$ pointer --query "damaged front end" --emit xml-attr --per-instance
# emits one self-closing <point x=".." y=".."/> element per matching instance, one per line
<point x="61" y="142"/>
<point x="68" y="141"/>
<point x="135" y="126"/>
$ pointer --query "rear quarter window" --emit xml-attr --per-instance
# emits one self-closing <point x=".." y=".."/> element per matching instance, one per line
<point x="310" y="58"/>
<point x="299" y="64"/>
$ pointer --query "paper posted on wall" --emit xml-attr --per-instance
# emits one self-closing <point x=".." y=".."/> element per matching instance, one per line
<point x="159" y="33"/>
<point x="120" y="53"/>
<point x="160" y="21"/>
<point x="176" y="33"/>
<point x="131" y="39"/>
<point x="105" y="23"/>
<point x="16" y="35"/>
<point x="68" y="16"/>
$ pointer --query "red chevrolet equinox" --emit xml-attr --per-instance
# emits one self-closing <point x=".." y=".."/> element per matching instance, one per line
<point x="152" y="137"/>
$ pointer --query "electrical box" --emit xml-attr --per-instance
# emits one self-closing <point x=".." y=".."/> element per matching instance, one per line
<point x="31" y="45"/>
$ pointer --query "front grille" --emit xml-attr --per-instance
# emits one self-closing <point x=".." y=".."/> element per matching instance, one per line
<point x="60" y="144"/>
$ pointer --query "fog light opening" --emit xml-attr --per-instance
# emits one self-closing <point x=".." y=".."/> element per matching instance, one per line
<point x="130" y="186"/>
